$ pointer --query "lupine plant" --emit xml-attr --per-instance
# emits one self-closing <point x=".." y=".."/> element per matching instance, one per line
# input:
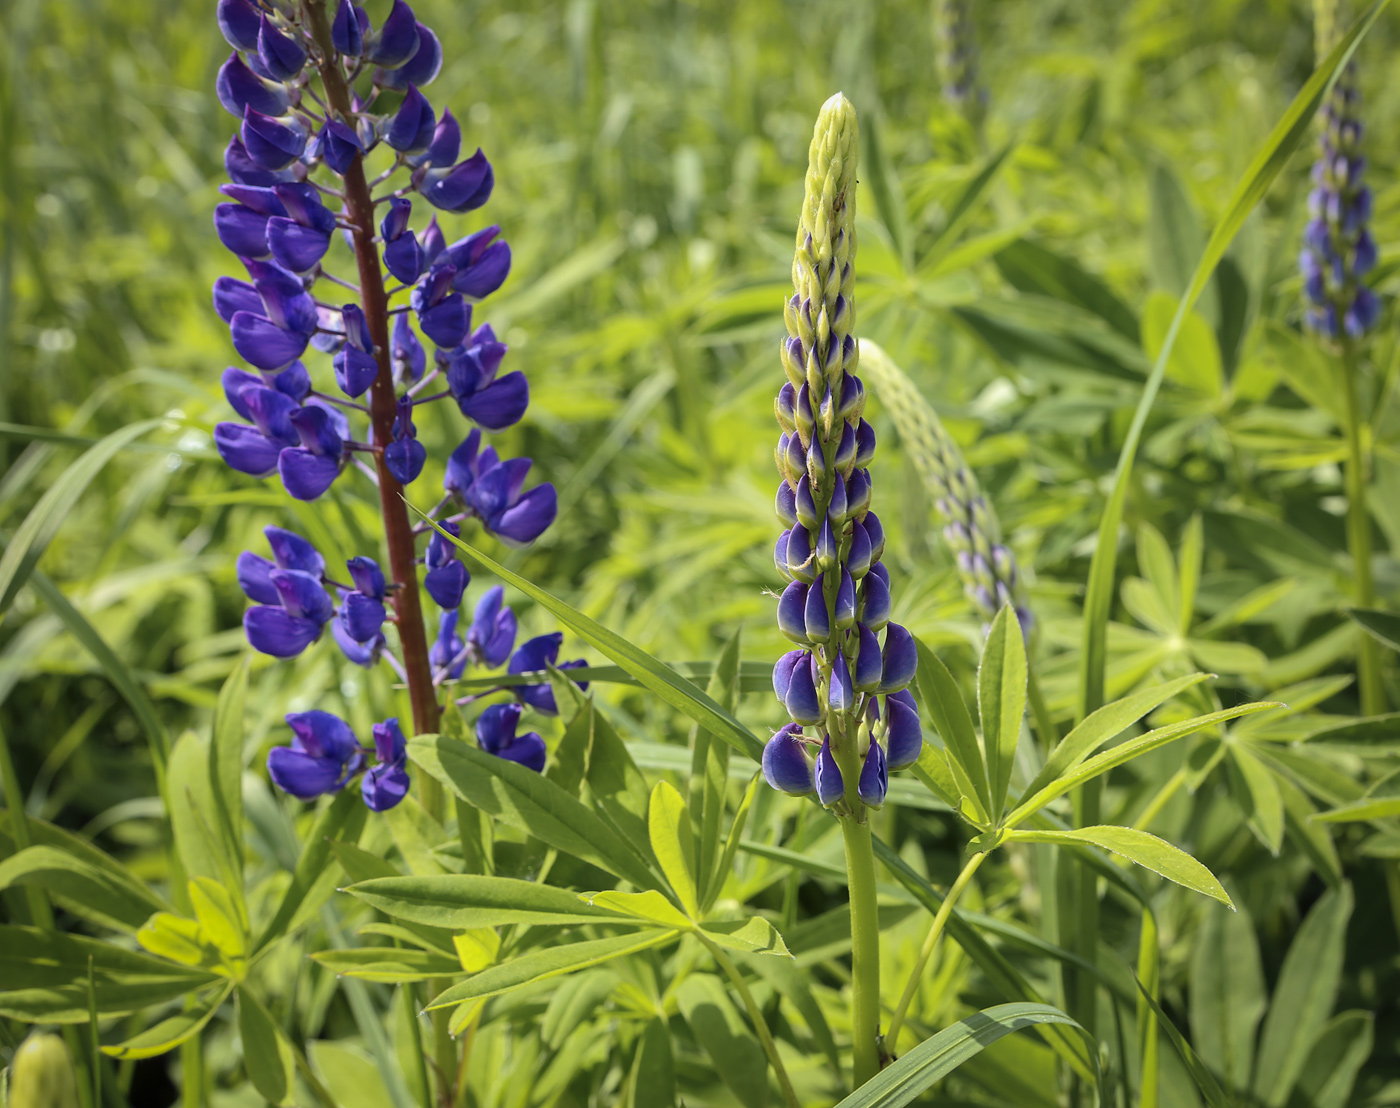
<point x="399" y="857"/>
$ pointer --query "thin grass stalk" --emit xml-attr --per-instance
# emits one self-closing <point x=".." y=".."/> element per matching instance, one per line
<point x="1373" y="699"/>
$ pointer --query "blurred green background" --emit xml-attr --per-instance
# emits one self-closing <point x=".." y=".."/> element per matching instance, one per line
<point x="649" y="160"/>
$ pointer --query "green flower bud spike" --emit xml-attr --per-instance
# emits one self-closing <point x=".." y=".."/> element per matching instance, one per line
<point x="41" y="1074"/>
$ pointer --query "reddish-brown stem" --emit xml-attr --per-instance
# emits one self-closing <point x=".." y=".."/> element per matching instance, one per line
<point x="398" y="532"/>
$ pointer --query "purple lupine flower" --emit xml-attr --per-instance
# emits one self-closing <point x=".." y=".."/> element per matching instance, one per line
<point x="536" y="656"/>
<point x="447" y="578"/>
<point x="448" y="654"/>
<point x="362" y="611"/>
<point x="837" y="600"/>
<point x="1338" y="249"/>
<point x="491" y="490"/>
<point x="492" y="633"/>
<point x="270" y="143"/>
<point x="355" y="365"/>
<point x="492" y="403"/>
<point x="443" y="315"/>
<point x="290" y="603"/>
<point x="482" y="263"/>
<point x="323" y="756"/>
<point x="463" y="188"/>
<point x="386" y="782"/>
<point x="420" y="69"/>
<point x="406" y="355"/>
<point x="495" y="734"/>
<point x="405" y="456"/>
<point x="309" y="470"/>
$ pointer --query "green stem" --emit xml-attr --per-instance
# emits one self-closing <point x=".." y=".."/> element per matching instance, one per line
<point x="1082" y="994"/>
<point x="1160" y="801"/>
<point x="865" y="950"/>
<point x="319" y="1091"/>
<point x="756" y="1015"/>
<point x="1359" y="537"/>
<point x="192" y="1072"/>
<point x="930" y="941"/>
<point x="1040" y="714"/>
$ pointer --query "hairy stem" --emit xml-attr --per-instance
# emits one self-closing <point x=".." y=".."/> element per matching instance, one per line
<point x="398" y="532"/>
<point x="1359" y="537"/>
<point x="865" y="949"/>
<point x="930" y="941"/>
<point x="756" y="1015"/>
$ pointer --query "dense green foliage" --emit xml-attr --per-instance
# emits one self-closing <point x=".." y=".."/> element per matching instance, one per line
<point x="1022" y="273"/>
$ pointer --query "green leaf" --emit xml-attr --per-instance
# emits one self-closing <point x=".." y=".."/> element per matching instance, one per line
<point x="1227" y="993"/>
<point x="192" y="805"/>
<point x="465" y="901"/>
<point x="618" y="789"/>
<point x="907" y="1078"/>
<point x="950" y="718"/>
<point x="173" y="1030"/>
<point x="349" y="1074"/>
<point x="754" y="935"/>
<point x="267" y="1055"/>
<point x="651" y="906"/>
<point x="1371" y="807"/>
<point x="1126" y="752"/>
<point x="43" y="522"/>
<point x="182" y="940"/>
<point x="539" y="965"/>
<point x="1268" y="162"/>
<point x="574" y="1002"/>
<point x="1159" y="568"/>
<point x="1104" y="724"/>
<point x="1189" y="574"/>
<point x="1257" y="795"/>
<point x="737" y="1058"/>
<point x="1313" y="839"/>
<point x="522" y="798"/>
<point x="226" y="759"/>
<point x="1175" y="236"/>
<point x="118" y="672"/>
<point x="1145" y="849"/>
<point x="343" y="818"/>
<point x="1030" y="267"/>
<point x="655" y="676"/>
<point x="653" y="1069"/>
<point x="1303" y="998"/>
<point x="964" y="207"/>
<point x="709" y="773"/>
<point x="884" y="185"/>
<point x="731" y="844"/>
<point x="1001" y="698"/>
<point x="933" y="770"/>
<point x="415" y="833"/>
<point x="220" y="918"/>
<point x="1195" y="361"/>
<point x="1384" y="627"/>
<point x="44" y="977"/>
<point x="1342" y="1047"/>
<point x="388" y="964"/>
<point x="673" y="842"/>
<point x="107" y="894"/>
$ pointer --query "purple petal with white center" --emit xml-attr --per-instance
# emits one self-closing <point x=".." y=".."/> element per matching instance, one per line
<point x="383" y="786"/>
<point x="802" y="701"/>
<point x="368" y="577"/>
<point x="433" y="241"/>
<point x="291" y="551"/>
<point x="242" y="169"/>
<point x="869" y="667"/>
<point x="783" y="670"/>
<point x="323" y="735"/>
<point x="306" y="475"/>
<point x="814" y="614"/>
<point x="785" y="764"/>
<point x="875" y="592"/>
<point x="255" y="578"/>
<point x="445" y="146"/>
<point x="246" y="449"/>
<point x="791" y="608"/>
<point x="271" y="412"/>
<point x="300" y="775"/>
<point x="842" y="694"/>
<point x="273" y="630"/>
<point x="830" y="787"/>
<point x="317" y="430"/>
<point x="396" y="216"/>
<point x="446" y="584"/>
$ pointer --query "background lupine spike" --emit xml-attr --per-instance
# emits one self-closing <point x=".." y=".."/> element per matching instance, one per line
<point x="986" y="565"/>
<point x="1338" y="249"/>
<point x="956" y="47"/>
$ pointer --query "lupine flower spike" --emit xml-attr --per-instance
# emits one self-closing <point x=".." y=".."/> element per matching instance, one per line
<point x="316" y="89"/>
<point x="957" y="58"/>
<point x="841" y="686"/>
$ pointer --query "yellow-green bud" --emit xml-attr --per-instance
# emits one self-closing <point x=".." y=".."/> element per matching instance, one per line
<point x="41" y="1074"/>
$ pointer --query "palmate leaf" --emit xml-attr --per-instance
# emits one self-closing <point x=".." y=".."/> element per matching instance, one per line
<point x="549" y="962"/>
<point x="1141" y="847"/>
<point x="655" y="676"/>
<point x="1268" y="162"/>
<point x="673" y="842"/>
<point x="932" y="1060"/>
<point x="534" y="804"/>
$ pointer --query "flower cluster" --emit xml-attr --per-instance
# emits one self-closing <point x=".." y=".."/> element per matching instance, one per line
<point x="318" y="90"/>
<point x="1338" y="250"/>
<point x="841" y="681"/>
